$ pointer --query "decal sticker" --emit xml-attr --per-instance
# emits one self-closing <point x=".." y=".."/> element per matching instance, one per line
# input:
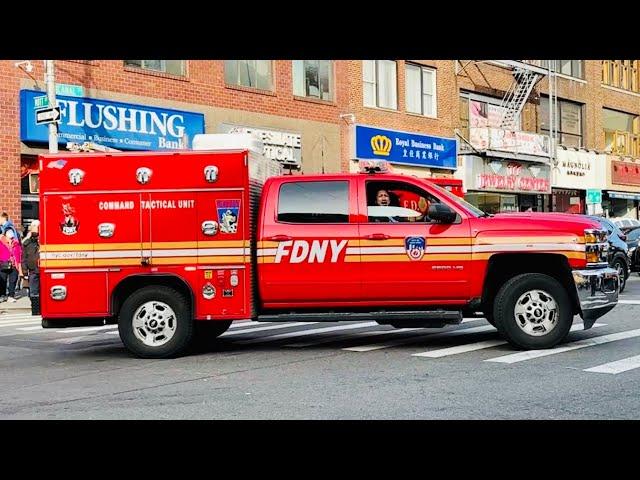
<point x="59" y="164"/>
<point x="208" y="291"/>
<point x="228" y="215"/>
<point x="208" y="274"/>
<point x="143" y="175"/>
<point x="210" y="173"/>
<point x="414" y="247"/>
<point x="70" y="224"/>
<point x="227" y="293"/>
<point x="75" y="176"/>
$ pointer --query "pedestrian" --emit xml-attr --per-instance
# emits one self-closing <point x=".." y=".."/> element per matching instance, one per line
<point x="30" y="269"/>
<point x="6" y="224"/>
<point x="10" y="262"/>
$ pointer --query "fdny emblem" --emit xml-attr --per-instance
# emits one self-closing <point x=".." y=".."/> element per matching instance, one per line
<point x="228" y="213"/>
<point x="143" y="175"/>
<point x="70" y="224"/>
<point x="414" y="247"/>
<point x="75" y="176"/>
<point x="210" y="173"/>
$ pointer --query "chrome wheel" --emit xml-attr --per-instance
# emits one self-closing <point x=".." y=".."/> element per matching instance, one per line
<point x="536" y="312"/>
<point x="622" y="274"/>
<point x="154" y="323"/>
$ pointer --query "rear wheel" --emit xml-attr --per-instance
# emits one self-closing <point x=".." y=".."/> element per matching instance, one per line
<point x="155" y="322"/>
<point x="533" y="311"/>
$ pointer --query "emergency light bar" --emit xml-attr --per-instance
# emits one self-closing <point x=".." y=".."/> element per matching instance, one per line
<point x="374" y="166"/>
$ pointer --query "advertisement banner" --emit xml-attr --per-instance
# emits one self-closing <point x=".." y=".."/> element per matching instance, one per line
<point x="510" y="141"/>
<point x="405" y="148"/>
<point x="123" y="126"/>
<point x="625" y="173"/>
<point x="578" y="170"/>
<point x="285" y="147"/>
<point x="506" y="175"/>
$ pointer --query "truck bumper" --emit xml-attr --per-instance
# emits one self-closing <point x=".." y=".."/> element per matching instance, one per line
<point x="597" y="292"/>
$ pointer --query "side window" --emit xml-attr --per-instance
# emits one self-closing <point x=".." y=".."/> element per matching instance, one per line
<point x="314" y="202"/>
<point x="397" y="202"/>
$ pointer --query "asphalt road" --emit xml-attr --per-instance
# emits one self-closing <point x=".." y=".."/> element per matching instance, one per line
<point x="351" y="370"/>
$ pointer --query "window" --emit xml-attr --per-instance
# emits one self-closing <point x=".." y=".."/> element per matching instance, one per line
<point x="571" y="68"/>
<point x="397" y="202"/>
<point x="621" y="132"/>
<point x="420" y="91"/>
<point x="249" y="73"/>
<point x="314" y="202"/>
<point x="174" y="67"/>
<point x="570" y="125"/>
<point x="313" y="78"/>
<point x="380" y="86"/>
<point x="623" y="74"/>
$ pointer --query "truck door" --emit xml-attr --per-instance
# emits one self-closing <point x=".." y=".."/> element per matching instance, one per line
<point x="404" y="256"/>
<point x="307" y="253"/>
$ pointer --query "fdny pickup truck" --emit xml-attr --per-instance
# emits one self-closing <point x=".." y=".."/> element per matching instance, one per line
<point x="175" y="245"/>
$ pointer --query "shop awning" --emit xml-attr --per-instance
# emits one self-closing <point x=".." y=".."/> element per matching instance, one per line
<point x="625" y="195"/>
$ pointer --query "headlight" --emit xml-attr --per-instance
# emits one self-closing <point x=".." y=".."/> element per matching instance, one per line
<point x="596" y="247"/>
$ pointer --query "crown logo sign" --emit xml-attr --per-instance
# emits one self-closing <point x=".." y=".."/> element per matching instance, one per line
<point x="381" y="145"/>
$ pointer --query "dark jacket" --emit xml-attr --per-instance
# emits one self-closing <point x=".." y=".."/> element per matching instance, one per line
<point x="30" y="255"/>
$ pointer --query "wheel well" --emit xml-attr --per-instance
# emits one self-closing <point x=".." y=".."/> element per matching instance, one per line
<point x="130" y="284"/>
<point x="502" y="267"/>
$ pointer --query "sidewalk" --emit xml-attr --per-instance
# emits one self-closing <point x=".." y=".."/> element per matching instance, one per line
<point x="22" y="303"/>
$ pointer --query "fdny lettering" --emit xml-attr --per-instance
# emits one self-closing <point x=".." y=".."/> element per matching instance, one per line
<point x="299" y="251"/>
<point x="160" y="204"/>
<point x="116" y="205"/>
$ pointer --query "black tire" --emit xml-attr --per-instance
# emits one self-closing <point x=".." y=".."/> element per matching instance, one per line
<point x="489" y="316"/>
<point x="505" y="317"/>
<point x="183" y="322"/>
<point x="621" y="266"/>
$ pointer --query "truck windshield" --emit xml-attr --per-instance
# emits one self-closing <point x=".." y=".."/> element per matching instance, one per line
<point x="461" y="201"/>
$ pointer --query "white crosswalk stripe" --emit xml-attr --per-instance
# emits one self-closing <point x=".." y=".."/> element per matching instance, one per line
<point x="273" y="338"/>
<point x="471" y="347"/>
<point x="618" y="366"/>
<point x="263" y="328"/>
<point x="589" y="342"/>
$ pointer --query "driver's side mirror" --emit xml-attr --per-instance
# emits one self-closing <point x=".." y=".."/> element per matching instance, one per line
<point x="441" y="213"/>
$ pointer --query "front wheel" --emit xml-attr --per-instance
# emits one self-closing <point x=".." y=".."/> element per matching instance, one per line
<point x="533" y="311"/>
<point x="155" y="322"/>
<point x="621" y="267"/>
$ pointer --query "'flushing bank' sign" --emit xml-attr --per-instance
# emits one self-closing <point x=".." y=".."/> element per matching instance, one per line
<point x="124" y="126"/>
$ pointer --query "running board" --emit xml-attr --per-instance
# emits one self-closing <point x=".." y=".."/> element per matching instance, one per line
<point x="398" y="319"/>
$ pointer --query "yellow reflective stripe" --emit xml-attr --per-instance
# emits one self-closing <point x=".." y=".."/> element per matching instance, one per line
<point x="67" y="247"/>
<point x="66" y="263"/>
<point x="114" y="262"/>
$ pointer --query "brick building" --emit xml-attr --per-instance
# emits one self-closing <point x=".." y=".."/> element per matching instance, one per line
<point x="434" y="118"/>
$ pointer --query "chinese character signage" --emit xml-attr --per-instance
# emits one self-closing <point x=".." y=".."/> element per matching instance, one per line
<point x="123" y="126"/>
<point x="405" y="148"/>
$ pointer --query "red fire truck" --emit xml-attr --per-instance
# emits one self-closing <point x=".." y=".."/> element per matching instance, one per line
<point x="166" y="244"/>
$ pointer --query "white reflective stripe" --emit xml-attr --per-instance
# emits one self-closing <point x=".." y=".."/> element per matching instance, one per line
<point x="589" y="342"/>
<point x="212" y="251"/>
<point x="616" y="367"/>
<point x="369" y="250"/>
<point x="264" y="252"/>
<point x="528" y="246"/>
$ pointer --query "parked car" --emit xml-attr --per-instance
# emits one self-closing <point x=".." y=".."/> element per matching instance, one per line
<point x="626" y="224"/>
<point x="618" y="249"/>
<point x="633" y="238"/>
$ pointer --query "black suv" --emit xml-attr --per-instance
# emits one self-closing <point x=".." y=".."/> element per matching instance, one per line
<point x="618" y="249"/>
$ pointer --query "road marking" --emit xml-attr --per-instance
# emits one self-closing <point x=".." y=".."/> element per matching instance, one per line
<point x="401" y="341"/>
<point x="313" y="331"/>
<point x="471" y="347"/>
<point x="589" y="342"/>
<point x="26" y="329"/>
<point x="263" y="328"/>
<point x="629" y="302"/>
<point x="339" y="338"/>
<point x="619" y="366"/>
<point x="16" y="324"/>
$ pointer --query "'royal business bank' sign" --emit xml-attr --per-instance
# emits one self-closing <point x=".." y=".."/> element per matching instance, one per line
<point x="123" y="126"/>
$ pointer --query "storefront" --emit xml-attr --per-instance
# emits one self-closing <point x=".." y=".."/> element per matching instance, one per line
<point x="573" y="173"/>
<point x="123" y="126"/>
<point x="411" y="153"/>
<point x="503" y="185"/>
<point x="622" y="198"/>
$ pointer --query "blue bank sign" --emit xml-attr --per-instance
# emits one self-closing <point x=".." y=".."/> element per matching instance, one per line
<point x="124" y="126"/>
<point x="405" y="148"/>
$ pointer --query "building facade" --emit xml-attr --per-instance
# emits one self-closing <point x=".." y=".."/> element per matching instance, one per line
<point x="576" y="131"/>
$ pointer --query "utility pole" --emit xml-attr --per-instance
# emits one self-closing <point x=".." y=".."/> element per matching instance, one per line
<point x="51" y="94"/>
